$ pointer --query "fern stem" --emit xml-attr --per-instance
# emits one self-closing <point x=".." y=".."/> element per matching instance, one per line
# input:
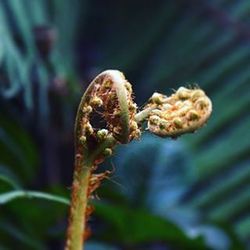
<point x="78" y="206"/>
<point x="79" y="192"/>
<point x="143" y="115"/>
<point x="77" y="210"/>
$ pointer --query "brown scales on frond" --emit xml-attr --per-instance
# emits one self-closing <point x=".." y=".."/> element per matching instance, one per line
<point x="94" y="183"/>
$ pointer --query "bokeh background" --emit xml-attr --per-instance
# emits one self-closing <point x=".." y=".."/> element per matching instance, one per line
<point x="190" y="193"/>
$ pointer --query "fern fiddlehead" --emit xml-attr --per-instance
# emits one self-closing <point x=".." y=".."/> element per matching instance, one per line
<point x="183" y="112"/>
<point x="108" y="116"/>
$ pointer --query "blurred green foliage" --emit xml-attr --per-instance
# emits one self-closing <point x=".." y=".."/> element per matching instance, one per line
<point x="194" y="192"/>
<point x="18" y="151"/>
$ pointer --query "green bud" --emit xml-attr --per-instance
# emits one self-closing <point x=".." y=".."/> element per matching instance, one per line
<point x="197" y="94"/>
<point x="178" y="122"/>
<point x="102" y="134"/>
<point x="96" y="101"/>
<point x="183" y="93"/>
<point x="87" y="109"/>
<point x="83" y="139"/>
<point x="193" y="115"/>
<point x="157" y="98"/>
<point x="107" y="152"/>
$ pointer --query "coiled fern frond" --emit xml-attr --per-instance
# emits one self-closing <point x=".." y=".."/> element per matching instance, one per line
<point x="107" y="116"/>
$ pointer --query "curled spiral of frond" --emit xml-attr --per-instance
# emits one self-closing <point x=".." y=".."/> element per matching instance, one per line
<point x="110" y="95"/>
<point x="105" y="118"/>
<point x="185" y="111"/>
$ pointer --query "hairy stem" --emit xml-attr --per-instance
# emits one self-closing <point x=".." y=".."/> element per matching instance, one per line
<point x="78" y="207"/>
<point x="79" y="199"/>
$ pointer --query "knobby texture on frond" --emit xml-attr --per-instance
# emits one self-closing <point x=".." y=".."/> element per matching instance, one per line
<point x="107" y="116"/>
<point x="183" y="112"/>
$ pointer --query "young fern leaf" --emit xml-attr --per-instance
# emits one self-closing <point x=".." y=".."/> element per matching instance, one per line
<point x="183" y="112"/>
<point x="107" y="116"/>
<point x="111" y="95"/>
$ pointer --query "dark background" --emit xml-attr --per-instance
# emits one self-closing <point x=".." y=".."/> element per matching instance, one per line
<point x="192" y="193"/>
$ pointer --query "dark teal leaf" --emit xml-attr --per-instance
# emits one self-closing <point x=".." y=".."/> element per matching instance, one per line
<point x="133" y="226"/>
<point x="18" y="238"/>
<point x="18" y="150"/>
<point x="5" y="179"/>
